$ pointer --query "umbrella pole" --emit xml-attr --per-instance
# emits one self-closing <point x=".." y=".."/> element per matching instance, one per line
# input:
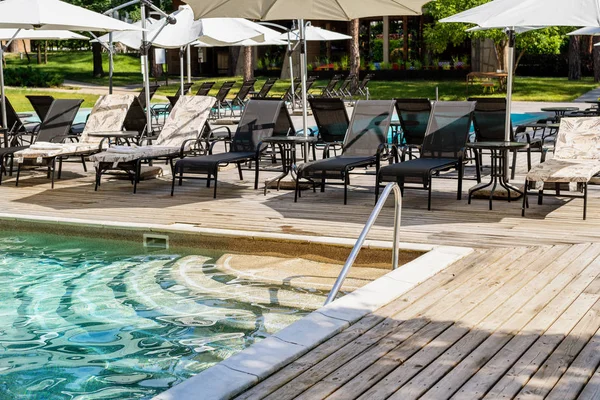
<point x="145" y="69"/>
<point x="111" y="62"/>
<point x="2" y="92"/>
<point x="181" y="69"/>
<point x="303" y="77"/>
<point x="189" y="64"/>
<point x="291" y="61"/>
<point x="509" y="82"/>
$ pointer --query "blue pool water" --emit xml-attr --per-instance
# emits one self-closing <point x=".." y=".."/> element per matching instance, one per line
<point x="83" y="319"/>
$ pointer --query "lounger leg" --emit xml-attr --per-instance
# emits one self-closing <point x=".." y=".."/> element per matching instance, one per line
<point x="461" y="171"/>
<point x="209" y="178"/>
<point x="585" y="190"/>
<point x="541" y="196"/>
<point x="60" y="160"/>
<point x="215" y="189"/>
<point x="297" y="189"/>
<point x="2" y="169"/>
<point x="12" y="162"/>
<point x="83" y="163"/>
<point x="524" y="198"/>
<point x="53" y="170"/>
<point x="97" y="179"/>
<point x="429" y="193"/>
<point x="239" y="165"/>
<point x="346" y="180"/>
<point x="376" y="188"/>
<point x="136" y="179"/>
<point x="477" y="165"/>
<point x="514" y="163"/>
<point x="256" y="173"/>
<point x="323" y="182"/>
<point x="18" y="174"/>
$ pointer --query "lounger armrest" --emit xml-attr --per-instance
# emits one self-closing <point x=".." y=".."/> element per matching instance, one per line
<point x="203" y="143"/>
<point x="220" y="127"/>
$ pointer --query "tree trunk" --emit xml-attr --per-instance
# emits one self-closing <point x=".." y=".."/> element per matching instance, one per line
<point x="574" y="58"/>
<point x="26" y="52"/>
<point x="97" y="56"/>
<point x="46" y="52"/>
<point x="354" y="47"/>
<point x="39" y="51"/>
<point x="500" y="49"/>
<point x="596" y="58"/>
<point x="248" y="68"/>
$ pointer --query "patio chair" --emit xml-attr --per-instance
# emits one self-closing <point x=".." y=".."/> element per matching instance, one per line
<point x="187" y="125"/>
<point x="107" y="117"/>
<point x="329" y="89"/>
<point x="17" y="127"/>
<point x="344" y="90"/>
<point x="221" y="97"/>
<point x="204" y="88"/>
<point x="142" y="95"/>
<point x="413" y="115"/>
<point x="241" y="97"/>
<point x="265" y="89"/>
<point x="261" y="118"/>
<point x="288" y="96"/>
<point x="363" y="146"/>
<point x="362" y="89"/>
<point x="443" y="148"/>
<point x="576" y="160"/>
<point x="55" y="126"/>
<point x="41" y="105"/>
<point x="163" y="109"/>
<point x="489" y="121"/>
<point x="332" y="122"/>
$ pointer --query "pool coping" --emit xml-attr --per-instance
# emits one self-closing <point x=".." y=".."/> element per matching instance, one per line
<point x="245" y="369"/>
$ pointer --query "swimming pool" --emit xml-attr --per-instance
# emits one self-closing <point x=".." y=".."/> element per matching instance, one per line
<point x="82" y="318"/>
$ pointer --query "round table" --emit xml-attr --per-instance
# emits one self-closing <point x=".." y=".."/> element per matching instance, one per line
<point x="559" y="112"/>
<point x="287" y="145"/>
<point x="498" y="174"/>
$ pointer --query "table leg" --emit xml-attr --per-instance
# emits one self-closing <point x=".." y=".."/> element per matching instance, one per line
<point x="288" y="155"/>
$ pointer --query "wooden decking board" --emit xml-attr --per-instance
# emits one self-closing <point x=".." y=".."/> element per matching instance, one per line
<point x="524" y="323"/>
<point x="579" y="372"/>
<point x="425" y="300"/>
<point x="321" y="352"/>
<point x="380" y="358"/>
<point x="455" y="344"/>
<point x="591" y="391"/>
<point x="554" y="367"/>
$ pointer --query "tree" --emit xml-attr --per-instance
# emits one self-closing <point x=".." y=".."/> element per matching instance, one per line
<point x="596" y="55"/>
<point x="439" y="36"/>
<point x="248" y="68"/>
<point x="574" y="58"/>
<point x="354" y="47"/>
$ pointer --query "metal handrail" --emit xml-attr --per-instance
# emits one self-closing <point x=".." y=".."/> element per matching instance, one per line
<point x="363" y="235"/>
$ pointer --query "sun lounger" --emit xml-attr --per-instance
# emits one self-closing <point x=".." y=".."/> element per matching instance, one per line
<point x="259" y="120"/>
<point x="576" y="160"/>
<point x="57" y="122"/>
<point x="107" y="118"/>
<point x="443" y="148"/>
<point x="183" y="128"/>
<point x="332" y="121"/>
<point x="363" y="146"/>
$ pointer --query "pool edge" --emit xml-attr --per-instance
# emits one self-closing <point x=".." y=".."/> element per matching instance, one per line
<point x="247" y="368"/>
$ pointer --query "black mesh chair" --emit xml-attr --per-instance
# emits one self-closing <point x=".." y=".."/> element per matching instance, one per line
<point x="265" y="89"/>
<point x="490" y="121"/>
<point x="54" y="128"/>
<point x="221" y="97"/>
<point x="241" y="96"/>
<point x="16" y="128"/>
<point x="260" y="120"/>
<point x="135" y="120"/>
<point x="332" y="122"/>
<point x="344" y="90"/>
<point x="414" y="117"/>
<point x="362" y="89"/>
<point x="443" y="148"/>
<point x="204" y="88"/>
<point x="142" y="96"/>
<point x="41" y="105"/>
<point x="329" y="89"/>
<point x="363" y="145"/>
<point x="288" y="96"/>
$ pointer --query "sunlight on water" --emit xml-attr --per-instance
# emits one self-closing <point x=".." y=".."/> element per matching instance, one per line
<point x="82" y="319"/>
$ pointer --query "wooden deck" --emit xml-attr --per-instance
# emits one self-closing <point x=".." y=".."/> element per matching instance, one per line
<point x="239" y="207"/>
<point x="505" y="323"/>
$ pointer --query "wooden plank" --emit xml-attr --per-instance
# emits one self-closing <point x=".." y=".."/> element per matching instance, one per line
<point x="446" y="277"/>
<point x="380" y="359"/>
<point x="579" y="372"/>
<point x="551" y="321"/>
<point x="550" y="372"/>
<point x="591" y="391"/>
<point x="417" y="366"/>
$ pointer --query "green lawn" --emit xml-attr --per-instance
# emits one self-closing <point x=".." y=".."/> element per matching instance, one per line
<point x="77" y="66"/>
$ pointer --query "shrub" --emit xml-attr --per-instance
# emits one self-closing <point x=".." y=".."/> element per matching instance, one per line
<point x="31" y="77"/>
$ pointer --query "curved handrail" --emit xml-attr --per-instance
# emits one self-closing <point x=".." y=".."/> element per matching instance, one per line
<point x="363" y="235"/>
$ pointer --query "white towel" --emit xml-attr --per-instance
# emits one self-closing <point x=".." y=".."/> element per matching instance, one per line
<point x="46" y="146"/>
<point x="123" y="149"/>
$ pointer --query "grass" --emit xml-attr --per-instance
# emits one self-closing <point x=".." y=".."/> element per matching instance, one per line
<point x="77" y="66"/>
<point x="20" y="102"/>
